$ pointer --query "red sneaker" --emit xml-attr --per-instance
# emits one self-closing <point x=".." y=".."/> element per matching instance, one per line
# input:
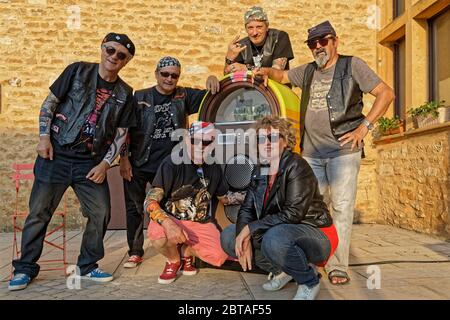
<point x="133" y="262"/>
<point x="187" y="266"/>
<point x="169" y="273"/>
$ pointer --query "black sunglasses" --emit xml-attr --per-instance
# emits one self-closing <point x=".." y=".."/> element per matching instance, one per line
<point x="312" y="44"/>
<point x="273" y="138"/>
<point x="167" y="74"/>
<point x="204" y="142"/>
<point x="111" y="51"/>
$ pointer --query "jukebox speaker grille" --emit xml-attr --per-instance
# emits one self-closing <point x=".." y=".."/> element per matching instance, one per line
<point x="238" y="171"/>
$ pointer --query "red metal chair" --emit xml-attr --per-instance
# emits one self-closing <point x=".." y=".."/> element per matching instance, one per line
<point x="22" y="173"/>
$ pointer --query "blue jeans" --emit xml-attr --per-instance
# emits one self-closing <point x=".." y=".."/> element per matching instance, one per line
<point x="288" y="248"/>
<point x="52" y="178"/>
<point x="338" y="179"/>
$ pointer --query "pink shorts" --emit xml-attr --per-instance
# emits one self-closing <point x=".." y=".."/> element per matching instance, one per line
<point x="204" y="238"/>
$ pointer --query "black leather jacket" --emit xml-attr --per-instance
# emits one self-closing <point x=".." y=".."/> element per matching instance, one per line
<point x="294" y="198"/>
<point x="141" y="136"/>
<point x="345" y="98"/>
<point x="79" y="102"/>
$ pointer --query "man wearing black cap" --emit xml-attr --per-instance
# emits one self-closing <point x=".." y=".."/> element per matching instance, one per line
<point x="160" y="110"/>
<point x="83" y="123"/>
<point x="333" y="127"/>
<point x="264" y="46"/>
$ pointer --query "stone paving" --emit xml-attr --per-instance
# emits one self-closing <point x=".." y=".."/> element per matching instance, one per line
<point x="411" y="265"/>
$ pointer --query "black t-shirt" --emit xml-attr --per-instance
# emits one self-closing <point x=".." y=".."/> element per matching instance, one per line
<point x="189" y="189"/>
<point x="162" y="144"/>
<point x="82" y="147"/>
<point x="283" y="49"/>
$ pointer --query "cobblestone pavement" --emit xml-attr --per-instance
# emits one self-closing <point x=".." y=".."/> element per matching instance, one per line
<point x="411" y="266"/>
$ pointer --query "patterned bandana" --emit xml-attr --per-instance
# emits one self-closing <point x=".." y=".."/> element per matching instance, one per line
<point x="167" y="62"/>
<point x="201" y="127"/>
<point x="255" y="14"/>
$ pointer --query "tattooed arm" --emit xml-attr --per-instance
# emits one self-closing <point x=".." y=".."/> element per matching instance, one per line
<point x="174" y="234"/>
<point x="44" y="147"/>
<point x="279" y="63"/>
<point x="98" y="173"/>
<point x="151" y="205"/>
<point x="232" y="198"/>
<point x="116" y="146"/>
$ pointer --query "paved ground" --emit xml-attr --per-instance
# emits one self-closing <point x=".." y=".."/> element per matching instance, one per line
<point x="423" y="277"/>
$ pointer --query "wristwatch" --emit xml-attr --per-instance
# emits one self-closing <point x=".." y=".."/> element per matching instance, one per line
<point x="367" y="124"/>
<point x="228" y="61"/>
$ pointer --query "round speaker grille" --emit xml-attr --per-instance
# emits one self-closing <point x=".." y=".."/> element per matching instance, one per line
<point x="238" y="171"/>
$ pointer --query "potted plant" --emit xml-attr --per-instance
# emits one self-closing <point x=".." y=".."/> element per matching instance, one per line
<point x="388" y="126"/>
<point x="427" y="114"/>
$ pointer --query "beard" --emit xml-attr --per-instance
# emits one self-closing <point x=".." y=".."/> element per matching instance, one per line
<point x="321" y="57"/>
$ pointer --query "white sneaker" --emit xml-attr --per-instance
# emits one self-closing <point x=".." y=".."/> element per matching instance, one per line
<point x="306" y="293"/>
<point x="276" y="282"/>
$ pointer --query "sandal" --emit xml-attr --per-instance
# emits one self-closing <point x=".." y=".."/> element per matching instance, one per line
<point x="338" y="274"/>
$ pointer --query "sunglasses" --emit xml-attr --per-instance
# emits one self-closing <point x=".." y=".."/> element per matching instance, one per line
<point x="174" y="76"/>
<point x="312" y="44"/>
<point x="203" y="142"/>
<point x="273" y="138"/>
<point x="110" y="51"/>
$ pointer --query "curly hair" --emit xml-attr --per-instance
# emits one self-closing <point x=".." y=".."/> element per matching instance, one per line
<point x="280" y="124"/>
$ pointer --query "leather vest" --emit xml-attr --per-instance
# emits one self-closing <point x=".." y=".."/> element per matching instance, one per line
<point x="268" y="49"/>
<point x="79" y="102"/>
<point x="141" y="136"/>
<point x="344" y="100"/>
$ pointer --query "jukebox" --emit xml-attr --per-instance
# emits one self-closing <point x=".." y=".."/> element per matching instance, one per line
<point x="234" y="111"/>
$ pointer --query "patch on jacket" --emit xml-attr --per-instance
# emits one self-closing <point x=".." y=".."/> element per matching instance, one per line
<point x="148" y="105"/>
<point x="55" y="128"/>
<point x="60" y="116"/>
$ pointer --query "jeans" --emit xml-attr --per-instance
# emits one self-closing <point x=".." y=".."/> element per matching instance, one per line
<point x="338" y="178"/>
<point x="134" y="203"/>
<point x="52" y="178"/>
<point x="288" y="248"/>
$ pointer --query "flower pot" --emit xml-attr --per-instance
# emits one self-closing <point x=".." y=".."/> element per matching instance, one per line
<point x="424" y="121"/>
<point x="444" y="114"/>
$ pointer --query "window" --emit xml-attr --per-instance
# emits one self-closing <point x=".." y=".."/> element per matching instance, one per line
<point x="439" y="57"/>
<point x="399" y="7"/>
<point x="243" y="104"/>
<point x="399" y="78"/>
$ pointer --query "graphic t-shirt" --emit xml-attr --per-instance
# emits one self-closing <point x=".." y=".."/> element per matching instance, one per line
<point x="319" y="141"/>
<point x="162" y="143"/>
<point x="189" y="189"/>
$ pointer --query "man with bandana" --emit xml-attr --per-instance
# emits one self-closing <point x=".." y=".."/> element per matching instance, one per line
<point x="264" y="46"/>
<point x="333" y="126"/>
<point x="160" y="110"/>
<point x="83" y="124"/>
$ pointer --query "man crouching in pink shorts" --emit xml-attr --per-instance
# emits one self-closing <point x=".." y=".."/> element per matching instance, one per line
<point x="179" y="205"/>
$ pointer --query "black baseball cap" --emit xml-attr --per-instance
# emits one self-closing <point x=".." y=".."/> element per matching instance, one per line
<point x="320" y="30"/>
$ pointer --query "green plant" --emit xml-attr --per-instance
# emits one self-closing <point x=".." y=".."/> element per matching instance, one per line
<point x="386" y="124"/>
<point x="428" y="108"/>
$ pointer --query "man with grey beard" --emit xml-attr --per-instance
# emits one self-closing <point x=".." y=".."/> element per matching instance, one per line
<point x="333" y="127"/>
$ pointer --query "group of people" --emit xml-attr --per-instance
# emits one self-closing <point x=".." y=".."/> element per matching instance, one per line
<point x="284" y="225"/>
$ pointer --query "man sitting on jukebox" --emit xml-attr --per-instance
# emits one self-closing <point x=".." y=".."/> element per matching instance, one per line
<point x="180" y="205"/>
<point x="283" y="226"/>
<point x="264" y="47"/>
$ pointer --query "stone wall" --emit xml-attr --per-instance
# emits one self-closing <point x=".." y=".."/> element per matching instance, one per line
<point x="414" y="182"/>
<point x="39" y="38"/>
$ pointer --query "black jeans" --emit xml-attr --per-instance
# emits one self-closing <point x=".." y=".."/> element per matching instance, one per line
<point x="134" y="203"/>
<point x="286" y="247"/>
<point x="52" y="178"/>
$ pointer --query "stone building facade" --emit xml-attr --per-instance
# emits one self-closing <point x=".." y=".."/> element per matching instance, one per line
<point x="38" y="38"/>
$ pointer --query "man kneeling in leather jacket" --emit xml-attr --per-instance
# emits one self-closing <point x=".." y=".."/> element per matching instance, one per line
<point x="283" y="226"/>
